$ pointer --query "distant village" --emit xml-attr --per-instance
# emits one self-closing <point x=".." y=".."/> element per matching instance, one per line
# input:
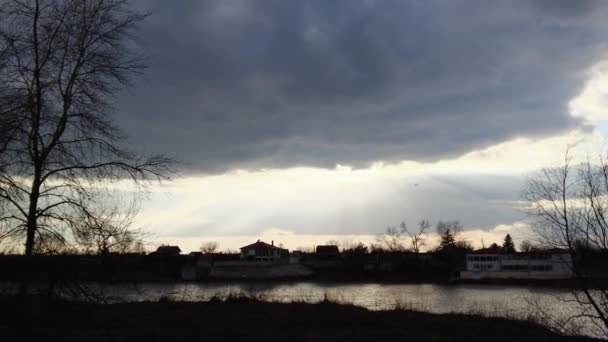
<point x="262" y="260"/>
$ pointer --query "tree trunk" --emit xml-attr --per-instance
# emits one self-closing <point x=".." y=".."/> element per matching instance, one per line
<point x="32" y="215"/>
<point x="32" y="218"/>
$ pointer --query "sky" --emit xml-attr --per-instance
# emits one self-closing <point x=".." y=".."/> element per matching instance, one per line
<point x="308" y="121"/>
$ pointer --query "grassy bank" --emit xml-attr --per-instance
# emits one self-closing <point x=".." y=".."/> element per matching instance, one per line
<point x="246" y="319"/>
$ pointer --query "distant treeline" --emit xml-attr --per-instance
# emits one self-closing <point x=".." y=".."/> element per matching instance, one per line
<point x="355" y="263"/>
<point x="112" y="267"/>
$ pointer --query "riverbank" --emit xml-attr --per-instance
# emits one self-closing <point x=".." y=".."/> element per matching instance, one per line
<point x="129" y="268"/>
<point x="240" y="319"/>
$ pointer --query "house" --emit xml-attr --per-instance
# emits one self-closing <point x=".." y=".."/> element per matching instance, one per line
<point x="327" y="251"/>
<point x="167" y="250"/>
<point x="261" y="251"/>
<point x="549" y="264"/>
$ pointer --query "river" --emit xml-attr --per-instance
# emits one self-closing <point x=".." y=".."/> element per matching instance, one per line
<point x="547" y="305"/>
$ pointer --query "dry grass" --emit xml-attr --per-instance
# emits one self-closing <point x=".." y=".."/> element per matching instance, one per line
<point x="238" y="317"/>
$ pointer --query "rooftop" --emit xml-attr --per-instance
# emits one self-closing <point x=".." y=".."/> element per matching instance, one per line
<point x="262" y="244"/>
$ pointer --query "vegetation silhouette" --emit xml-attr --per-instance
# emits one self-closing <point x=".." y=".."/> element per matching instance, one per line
<point x="64" y="62"/>
<point x="569" y="205"/>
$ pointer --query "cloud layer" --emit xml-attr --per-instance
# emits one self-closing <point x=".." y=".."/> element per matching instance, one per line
<point x="254" y="84"/>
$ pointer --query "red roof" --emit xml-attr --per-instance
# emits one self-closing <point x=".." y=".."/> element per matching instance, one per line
<point x="261" y="244"/>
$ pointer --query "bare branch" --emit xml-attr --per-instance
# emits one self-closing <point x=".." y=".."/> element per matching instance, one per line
<point x="60" y="64"/>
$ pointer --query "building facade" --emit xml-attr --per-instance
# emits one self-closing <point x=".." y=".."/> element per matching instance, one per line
<point x="533" y="265"/>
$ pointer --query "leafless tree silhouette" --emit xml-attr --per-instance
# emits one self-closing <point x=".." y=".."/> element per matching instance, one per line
<point x="417" y="237"/>
<point x="63" y="60"/>
<point x="209" y="247"/>
<point x="107" y="228"/>
<point x="453" y="226"/>
<point x="391" y="240"/>
<point x="570" y="206"/>
<point x="526" y="246"/>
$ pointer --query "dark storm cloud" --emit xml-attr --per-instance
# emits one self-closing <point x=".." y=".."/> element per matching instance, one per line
<point x="257" y="84"/>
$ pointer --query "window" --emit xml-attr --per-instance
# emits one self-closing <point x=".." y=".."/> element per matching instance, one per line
<point x="483" y="258"/>
<point x="541" y="268"/>
<point x="515" y="267"/>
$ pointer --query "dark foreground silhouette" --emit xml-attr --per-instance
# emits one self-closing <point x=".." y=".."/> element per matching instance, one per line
<point x="36" y="319"/>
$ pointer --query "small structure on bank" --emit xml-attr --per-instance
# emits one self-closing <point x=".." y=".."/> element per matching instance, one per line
<point x="550" y="264"/>
<point x="261" y="251"/>
<point x="167" y="250"/>
<point x="327" y="252"/>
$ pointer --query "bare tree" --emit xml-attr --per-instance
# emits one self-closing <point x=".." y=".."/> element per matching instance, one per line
<point x="390" y="240"/>
<point x="105" y="228"/>
<point x="8" y="113"/>
<point x="64" y="60"/>
<point x="550" y="196"/>
<point x="209" y="247"/>
<point x="455" y="227"/>
<point x="526" y="246"/>
<point x="348" y="243"/>
<point x="569" y="208"/>
<point x="593" y="232"/>
<point x="448" y="232"/>
<point x="417" y="238"/>
<point x="7" y="247"/>
<point x="48" y="243"/>
<point x="333" y="242"/>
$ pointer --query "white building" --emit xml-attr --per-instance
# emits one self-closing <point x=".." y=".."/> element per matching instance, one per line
<point x="555" y="264"/>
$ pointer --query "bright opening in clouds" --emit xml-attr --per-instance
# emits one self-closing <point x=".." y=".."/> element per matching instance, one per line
<point x="308" y="121"/>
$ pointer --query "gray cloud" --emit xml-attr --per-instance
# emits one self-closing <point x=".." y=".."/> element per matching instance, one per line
<point x="253" y="84"/>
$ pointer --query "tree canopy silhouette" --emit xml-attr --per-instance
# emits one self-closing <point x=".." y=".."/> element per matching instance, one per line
<point x="508" y="245"/>
<point x="448" y="230"/>
<point x="447" y="239"/>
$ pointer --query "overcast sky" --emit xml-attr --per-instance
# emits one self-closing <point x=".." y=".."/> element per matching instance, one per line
<point x="303" y="121"/>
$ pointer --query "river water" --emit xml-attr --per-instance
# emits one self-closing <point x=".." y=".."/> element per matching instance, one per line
<point x="547" y="305"/>
<point x="550" y="306"/>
